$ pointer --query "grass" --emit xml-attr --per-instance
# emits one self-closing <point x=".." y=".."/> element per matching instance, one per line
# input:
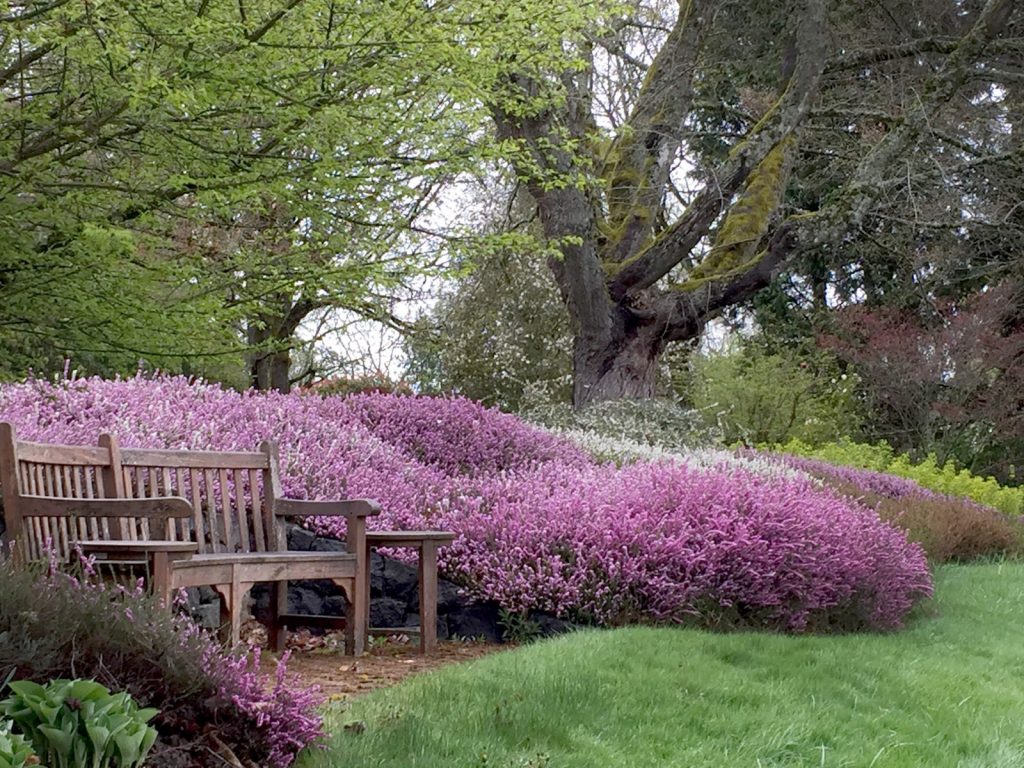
<point x="948" y="691"/>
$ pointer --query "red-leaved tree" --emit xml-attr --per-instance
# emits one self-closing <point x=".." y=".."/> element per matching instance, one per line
<point x="951" y="382"/>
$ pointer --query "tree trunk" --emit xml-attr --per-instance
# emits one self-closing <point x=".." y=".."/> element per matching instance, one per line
<point x="270" y="370"/>
<point x="625" y="369"/>
<point x="269" y="363"/>
<point x="271" y="338"/>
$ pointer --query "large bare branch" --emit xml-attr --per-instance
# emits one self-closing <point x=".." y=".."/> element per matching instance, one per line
<point x="676" y="243"/>
<point x="640" y="159"/>
<point x="940" y="89"/>
<point x="694" y="307"/>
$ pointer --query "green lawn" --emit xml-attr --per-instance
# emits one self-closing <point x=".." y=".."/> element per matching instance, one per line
<point x="949" y="691"/>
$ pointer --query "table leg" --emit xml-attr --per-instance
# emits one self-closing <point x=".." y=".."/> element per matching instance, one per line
<point x="428" y="597"/>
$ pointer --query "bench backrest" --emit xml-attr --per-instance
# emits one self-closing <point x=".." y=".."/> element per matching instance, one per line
<point x="232" y="494"/>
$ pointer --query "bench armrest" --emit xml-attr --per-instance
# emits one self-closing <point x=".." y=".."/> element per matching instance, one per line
<point x="161" y="507"/>
<point x="346" y="508"/>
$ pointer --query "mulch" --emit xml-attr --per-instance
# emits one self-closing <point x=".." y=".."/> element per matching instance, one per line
<point x="319" y="661"/>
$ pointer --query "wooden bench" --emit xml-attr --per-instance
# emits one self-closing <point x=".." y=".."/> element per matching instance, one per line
<point x="427" y="544"/>
<point x="198" y="517"/>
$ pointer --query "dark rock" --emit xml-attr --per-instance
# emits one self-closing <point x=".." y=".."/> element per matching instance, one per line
<point x="207" y="615"/>
<point x="304" y="540"/>
<point x="449" y="596"/>
<point x="300" y="539"/>
<point x="400" y="581"/>
<point x="385" y="612"/>
<point x="308" y="598"/>
<point x="413" y="620"/>
<point x="549" y="625"/>
<point x="477" y="620"/>
<point x="442" y="628"/>
<point x="193" y="600"/>
<point x="376" y="576"/>
<point x="314" y="597"/>
<point x="304" y="600"/>
<point x="334" y="606"/>
<point x="207" y="594"/>
<point x="325" y="544"/>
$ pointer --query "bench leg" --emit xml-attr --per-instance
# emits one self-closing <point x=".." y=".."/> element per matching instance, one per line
<point x="232" y="597"/>
<point x="363" y="584"/>
<point x="224" y="591"/>
<point x="428" y="597"/>
<point x="160" y="565"/>
<point x="355" y="616"/>
<point x="239" y="589"/>
<point x="276" y="631"/>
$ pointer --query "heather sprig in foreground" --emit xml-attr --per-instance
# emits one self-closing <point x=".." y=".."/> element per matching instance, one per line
<point x="209" y="699"/>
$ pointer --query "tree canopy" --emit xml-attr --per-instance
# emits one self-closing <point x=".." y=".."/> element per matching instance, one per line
<point x="179" y="178"/>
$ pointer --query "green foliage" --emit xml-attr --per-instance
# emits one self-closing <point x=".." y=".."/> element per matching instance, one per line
<point x="517" y="627"/>
<point x="661" y="422"/>
<point x="55" y="626"/>
<point x="81" y="724"/>
<point x="173" y="172"/>
<point x="756" y="397"/>
<point x="499" y="337"/>
<point x="15" y="750"/>
<point x="945" y="478"/>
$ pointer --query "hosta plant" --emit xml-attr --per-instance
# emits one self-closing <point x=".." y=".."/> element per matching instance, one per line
<point x="81" y="724"/>
<point x="15" y="750"/>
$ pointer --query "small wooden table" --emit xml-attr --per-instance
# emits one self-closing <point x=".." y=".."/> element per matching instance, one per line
<point x="427" y="544"/>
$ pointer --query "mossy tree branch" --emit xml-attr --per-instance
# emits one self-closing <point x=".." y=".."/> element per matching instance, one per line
<point x="771" y="133"/>
<point x="637" y="168"/>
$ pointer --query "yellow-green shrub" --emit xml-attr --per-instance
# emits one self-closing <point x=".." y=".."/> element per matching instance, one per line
<point x="928" y="473"/>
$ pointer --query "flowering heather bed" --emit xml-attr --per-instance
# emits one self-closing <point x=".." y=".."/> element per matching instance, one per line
<point x="869" y="481"/>
<point x="540" y="524"/>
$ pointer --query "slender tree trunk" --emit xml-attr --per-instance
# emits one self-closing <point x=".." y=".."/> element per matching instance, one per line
<point x="269" y="364"/>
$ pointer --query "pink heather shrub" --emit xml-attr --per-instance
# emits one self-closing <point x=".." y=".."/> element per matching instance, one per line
<point x="539" y="525"/>
<point x="878" y="483"/>
<point x="208" y="699"/>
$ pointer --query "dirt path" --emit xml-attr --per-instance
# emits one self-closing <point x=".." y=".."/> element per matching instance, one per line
<point x="385" y="664"/>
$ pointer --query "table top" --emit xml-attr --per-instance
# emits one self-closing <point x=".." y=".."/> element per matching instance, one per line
<point x="397" y="537"/>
